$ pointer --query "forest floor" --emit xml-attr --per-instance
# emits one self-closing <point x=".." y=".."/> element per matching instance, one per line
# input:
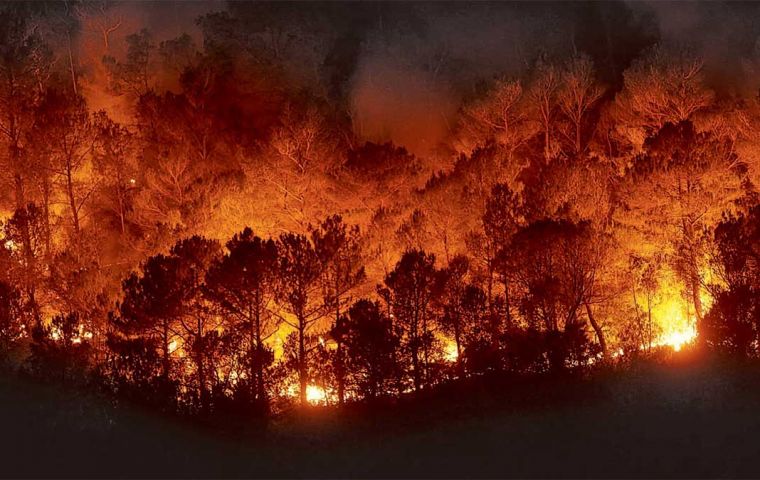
<point x="683" y="417"/>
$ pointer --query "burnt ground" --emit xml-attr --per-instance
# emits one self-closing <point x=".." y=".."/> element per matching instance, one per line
<point x="685" y="417"/>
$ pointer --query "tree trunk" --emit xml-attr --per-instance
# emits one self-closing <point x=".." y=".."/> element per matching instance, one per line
<point x="46" y="213"/>
<point x="697" y="301"/>
<point x="199" y="348"/>
<point x="339" y="370"/>
<point x="649" y="322"/>
<point x="72" y="202"/>
<point x="508" y="310"/>
<point x="202" y="393"/>
<point x="458" y="341"/>
<point x="415" y="354"/>
<point x="597" y="329"/>
<point x="416" y="365"/>
<point x="302" y="380"/>
<point x="259" y="365"/>
<point x="165" y="361"/>
<point x="71" y="64"/>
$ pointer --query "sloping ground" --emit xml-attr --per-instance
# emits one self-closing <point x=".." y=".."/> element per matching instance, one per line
<point x="686" y="418"/>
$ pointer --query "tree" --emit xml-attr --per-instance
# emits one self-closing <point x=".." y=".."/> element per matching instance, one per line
<point x="378" y="176"/>
<point x="543" y="92"/>
<point x="733" y="323"/>
<point x="339" y="248"/>
<point x="577" y="94"/>
<point x="646" y="273"/>
<point x="188" y="160"/>
<point x="681" y="184"/>
<point x="499" y="116"/>
<point x="24" y="235"/>
<point x="64" y="124"/>
<point x="370" y="340"/>
<point x="478" y="352"/>
<point x="453" y="283"/>
<point x="133" y="76"/>
<point x="12" y="319"/>
<point x="300" y="272"/>
<point x="244" y="284"/>
<point x="411" y="288"/>
<point x="556" y="269"/>
<point x="59" y="350"/>
<point x="114" y="156"/>
<point x="501" y="219"/>
<point x="146" y="322"/>
<point x="77" y="284"/>
<point x="25" y="63"/>
<point x="302" y="165"/>
<point x="198" y="324"/>
<point x="667" y="85"/>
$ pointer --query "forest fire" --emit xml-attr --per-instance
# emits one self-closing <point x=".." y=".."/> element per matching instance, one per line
<point x="255" y="216"/>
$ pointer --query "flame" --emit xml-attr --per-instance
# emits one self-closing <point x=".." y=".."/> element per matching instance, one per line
<point x="315" y="395"/>
<point x="678" y="325"/>
<point x="450" y="353"/>
<point x="679" y="338"/>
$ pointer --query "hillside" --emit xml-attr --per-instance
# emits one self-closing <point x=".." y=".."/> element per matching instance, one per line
<point x="682" y="418"/>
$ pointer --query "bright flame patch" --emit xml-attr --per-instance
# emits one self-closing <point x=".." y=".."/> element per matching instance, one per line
<point x="315" y="395"/>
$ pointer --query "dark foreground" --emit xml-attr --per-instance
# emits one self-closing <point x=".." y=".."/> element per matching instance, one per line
<point x="687" y="418"/>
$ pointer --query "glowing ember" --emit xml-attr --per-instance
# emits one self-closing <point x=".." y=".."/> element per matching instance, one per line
<point x="315" y="395"/>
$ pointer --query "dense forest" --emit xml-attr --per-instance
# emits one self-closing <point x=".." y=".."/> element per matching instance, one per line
<point x="313" y="204"/>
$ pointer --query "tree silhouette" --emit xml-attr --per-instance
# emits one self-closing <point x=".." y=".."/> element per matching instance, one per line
<point x="412" y="286"/>
<point x="199" y="325"/>
<point x="300" y="271"/>
<point x="339" y="249"/>
<point x="556" y="274"/>
<point x="370" y="340"/>
<point x="733" y="323"/>
<point x="12" y="320"/>
<point x="452" y="284"/>
<point x="59" y="350"/>
<point x="244" y="284"/>
<point x="146" y="320"/>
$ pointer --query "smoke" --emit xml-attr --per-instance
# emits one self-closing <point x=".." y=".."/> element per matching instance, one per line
<point x="396" y="102"/>
<point x="725" y="34"/>
<point x="410" y="81"/>
<point x="412" y="65"/>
